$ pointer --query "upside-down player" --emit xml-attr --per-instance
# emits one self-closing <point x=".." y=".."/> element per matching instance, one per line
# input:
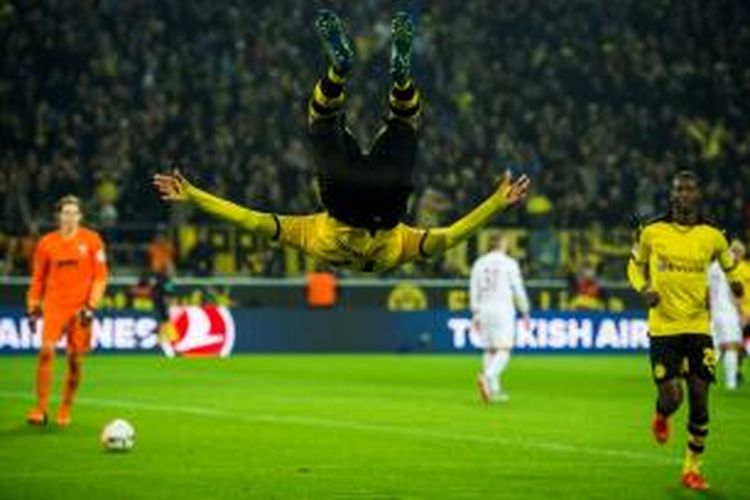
<point x="69" y="278"/>
<point x="365" y="195"/>
<point x="669" y="267"/>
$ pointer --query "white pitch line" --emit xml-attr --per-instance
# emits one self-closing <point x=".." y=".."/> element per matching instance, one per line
<point x="365" y="427"/>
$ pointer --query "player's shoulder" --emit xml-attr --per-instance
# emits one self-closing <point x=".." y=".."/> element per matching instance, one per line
<point x="483" y="259"/>
<point x="655" y="222"/>
<point x="90" y="235"/>
<point x="711" y="227"/>
<point x="48" y="239"/>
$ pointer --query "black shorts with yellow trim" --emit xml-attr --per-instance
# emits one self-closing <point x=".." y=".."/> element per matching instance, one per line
<point x="681" y="355"/>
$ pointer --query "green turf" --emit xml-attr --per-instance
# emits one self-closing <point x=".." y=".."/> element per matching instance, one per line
<point x="362" y="427"/>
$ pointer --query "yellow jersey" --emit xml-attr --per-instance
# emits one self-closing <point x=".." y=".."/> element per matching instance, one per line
<point x="339" y="244"/>
<point x="743" y="276"/>
<point x="672" y="260"/>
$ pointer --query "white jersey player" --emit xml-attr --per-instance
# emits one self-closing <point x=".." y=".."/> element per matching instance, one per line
<point x="497" y="293"/>
<point x="725" y="322"/>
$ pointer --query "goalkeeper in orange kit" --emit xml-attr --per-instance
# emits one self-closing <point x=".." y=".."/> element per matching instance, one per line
<point x="69" y="278"/>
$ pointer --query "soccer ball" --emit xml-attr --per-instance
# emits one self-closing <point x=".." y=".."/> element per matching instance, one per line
<point x="118" y="435"/>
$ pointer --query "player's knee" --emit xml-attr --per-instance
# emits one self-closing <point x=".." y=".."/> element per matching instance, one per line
<point x="670" y="396"/>
<point x="46" y="353"/>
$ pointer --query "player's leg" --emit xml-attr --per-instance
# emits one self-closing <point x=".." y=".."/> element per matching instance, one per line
<point x="702" y="363"/>
<point x="730" y="355"/>
<point x="666" y="360"/>
<point x="54" y="323"/>
<point x="697" y="432"/>
<point x="73" y="375"/>
<point x="404" y="99"/>
<point x="497" y="366"/>
<point x="483" y="379"/>
<point x="79" y="343"/>
<point x="336" y="154"/>
<point x="497" y="345"/>
<point x="727" y="334"/>
<point x="392" y="158"/>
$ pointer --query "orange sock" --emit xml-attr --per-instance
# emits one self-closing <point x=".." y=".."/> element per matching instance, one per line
<point x="72" y="379"/>
<point x="44" y="377"/>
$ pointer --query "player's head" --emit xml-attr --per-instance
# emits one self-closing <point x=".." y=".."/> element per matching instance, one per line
<point x="69" y="212"/>
<point x="499" y="242"/>
<point x="685" y="196"/>
<point x="738" y="249"/>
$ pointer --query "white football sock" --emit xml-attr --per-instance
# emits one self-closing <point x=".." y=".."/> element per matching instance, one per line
<point x="497" y="366"/>
<point x="730" y="368"/>
<point x="486" y="358"/>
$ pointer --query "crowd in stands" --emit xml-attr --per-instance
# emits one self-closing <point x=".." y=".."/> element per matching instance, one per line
<point x="599" y="102"/>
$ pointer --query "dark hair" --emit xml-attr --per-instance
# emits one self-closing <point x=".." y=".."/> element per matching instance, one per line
<point x="687" y="174"/>
<point x="68" y="199"/>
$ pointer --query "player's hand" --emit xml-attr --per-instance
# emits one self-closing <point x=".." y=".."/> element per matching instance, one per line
<point x="737" y="289"/>
<point x="171" y="187"/>
<point x="650" y="297"/>
<point x="85" y="316"/>
<point x="514" y="191"/>
<point x="33" y="317"/>
<point x="526" y="322"/>
<point x="475" y="324"/>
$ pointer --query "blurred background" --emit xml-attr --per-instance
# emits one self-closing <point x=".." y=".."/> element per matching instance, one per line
<point x="599" y="102"/>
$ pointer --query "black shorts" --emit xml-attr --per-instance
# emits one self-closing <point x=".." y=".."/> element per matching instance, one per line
<point x="746" y="330"/>
<point x="364" y="190"/>
<point x="682" y="355"/>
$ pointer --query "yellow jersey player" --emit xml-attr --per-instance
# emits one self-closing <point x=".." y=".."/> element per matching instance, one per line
<point x="743" y="274"/>
<point x="669" y="267"/>
<point x="365" y="195"/>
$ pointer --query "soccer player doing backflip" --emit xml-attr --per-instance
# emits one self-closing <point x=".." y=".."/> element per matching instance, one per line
<point x="365" y="195"/>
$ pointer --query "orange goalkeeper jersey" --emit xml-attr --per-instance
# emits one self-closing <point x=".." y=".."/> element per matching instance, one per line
<point x="68" y="272"/>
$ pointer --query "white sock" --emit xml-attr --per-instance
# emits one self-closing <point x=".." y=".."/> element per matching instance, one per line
<point x="731" y="357"/>
<point x="486" y="358"/>
<point x="496" y="368"/>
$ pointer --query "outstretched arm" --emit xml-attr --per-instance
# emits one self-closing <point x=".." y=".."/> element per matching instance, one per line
<point x="175" y="188"/>
<point x="509" y="192"/>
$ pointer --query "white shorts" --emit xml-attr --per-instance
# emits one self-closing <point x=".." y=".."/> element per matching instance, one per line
<point x="726" y="328"/>
<point x="497" y="331"/>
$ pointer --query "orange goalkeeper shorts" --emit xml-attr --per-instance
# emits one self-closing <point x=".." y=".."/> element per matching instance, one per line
<point x="59" y="322"/>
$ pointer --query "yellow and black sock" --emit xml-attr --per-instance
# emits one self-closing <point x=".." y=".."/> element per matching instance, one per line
<point x="405" y="101"/>
<point x="328" y="96"/>
<point x="696" y="445"/>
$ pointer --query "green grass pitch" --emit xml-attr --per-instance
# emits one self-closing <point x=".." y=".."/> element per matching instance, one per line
<point x="362" y="427"/>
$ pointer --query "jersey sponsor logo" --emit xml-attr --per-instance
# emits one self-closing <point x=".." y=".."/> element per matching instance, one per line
<point x="67" y="263"/>
<point x="680" y="265"/>
<point x="82" y="249"/>
<point x="200" y="331"/>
